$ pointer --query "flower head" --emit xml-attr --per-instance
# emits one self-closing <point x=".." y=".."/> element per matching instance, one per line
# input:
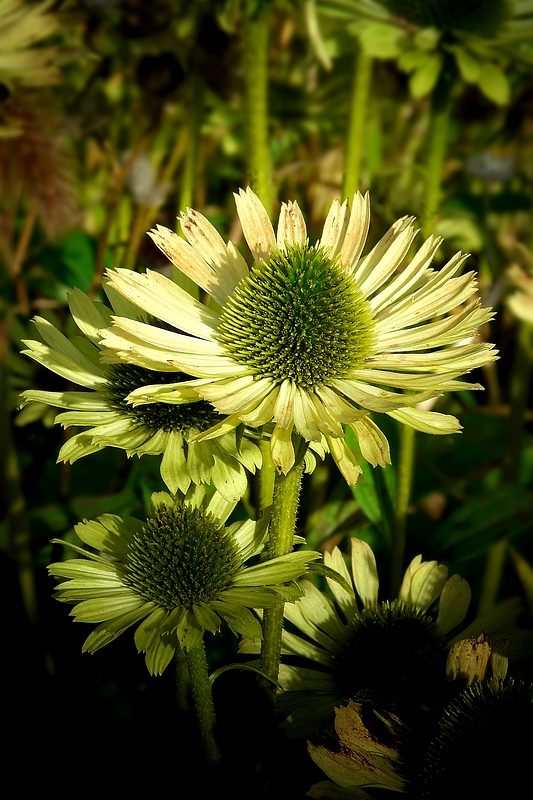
<point x="110" y="421"/>
<point x="310" y="338"/>
<point x="486" y="726"/>
<point x="393" y="651"/>
<point x="178" y="573"/>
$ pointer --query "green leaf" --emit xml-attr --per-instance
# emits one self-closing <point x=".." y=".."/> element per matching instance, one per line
<point x="333" y="575"/>
<point x="379" y="40"/>
<point x="425" y="77"/>
<point x="469" y="66"/>
<point x="493" y="83"/>
<point x="217" y="673"/>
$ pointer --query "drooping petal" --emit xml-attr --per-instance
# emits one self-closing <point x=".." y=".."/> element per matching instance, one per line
<point x="372" y="441"/>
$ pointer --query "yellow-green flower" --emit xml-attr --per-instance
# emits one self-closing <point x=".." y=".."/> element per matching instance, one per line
<point x="109" y="421"/>
<point x="393" y="651"/>
<point x="177" y="574"/>
<point x="423" y="34"/>
<point x="310" y="338"/>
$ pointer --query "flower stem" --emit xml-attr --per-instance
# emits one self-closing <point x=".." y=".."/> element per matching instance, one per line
<point x="20" y="543"/>
<point x="356" y="126"/>
<point x="436" y="146"/>
<point x="404" y="481"/>
<point x="281" y="532"/>
<point x="256" y="29"/>
<point x="265" y="478"/>
<point x="203" y="700"/>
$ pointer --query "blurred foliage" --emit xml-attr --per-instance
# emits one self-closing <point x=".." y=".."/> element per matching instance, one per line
<point x="148" y="117"/>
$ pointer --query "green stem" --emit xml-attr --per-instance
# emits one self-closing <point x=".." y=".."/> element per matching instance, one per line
<point x="521" y="373"/>
<point x="436" y="147"/>
<point x="281" y="532"/>
<point x="190" y="167"/>
<point x="203" y="700"/>
<point x="264" y="479"/>
<point x="256" y="29"/>
<point x="182" y="679"/>
<point x="520" y="381"/>
<point x="16" y="512"/>
<point x="356" y="126"/>
<point x="404" y="479"/>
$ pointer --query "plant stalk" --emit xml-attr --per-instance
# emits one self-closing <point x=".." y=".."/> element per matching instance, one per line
<point x="281" y="532"/>
<point x="256" y="37"/>
<point x="203" y="700"/>
<point x="404" y="480"/>
<point x="356" y="127"/>
<point x="441" y="103"/>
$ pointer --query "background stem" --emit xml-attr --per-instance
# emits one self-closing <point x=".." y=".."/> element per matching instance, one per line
<point x="256" y="29"/>
<point x="436" y="146"/>
<point x="356" y="127"/>
<point x="404" y="479"/>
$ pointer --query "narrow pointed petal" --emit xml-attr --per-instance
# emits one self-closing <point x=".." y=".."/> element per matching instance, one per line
<point x="165" y="300"/>
<point x="356" y="231"/>
<point x="372" y="441"/>
<point x="223" y="258"/>
<point x="335" y="228"/>
<point x="188" y="260"/>
<point x="291" y="226"/>
<point x="256" y="225"/>
<point x="364" y="571"/>
<point x="454" y="603"/>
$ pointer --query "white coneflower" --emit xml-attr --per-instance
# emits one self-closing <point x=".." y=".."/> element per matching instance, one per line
<point x="310" y="338"/>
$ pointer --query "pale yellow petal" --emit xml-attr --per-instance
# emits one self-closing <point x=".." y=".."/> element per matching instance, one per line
<point x="188" y="260"/>
<point x="282" y="449"/>
<point x="372" y="441"/>
<point x="335" y="228"/>
<point x="256" y="225"/>
<point x="454" y="602"/>
<point x="292" y="229"/>
<point x="364" y="571"/>
<point x="224" y="259"/>
<point x="356" y="231"/>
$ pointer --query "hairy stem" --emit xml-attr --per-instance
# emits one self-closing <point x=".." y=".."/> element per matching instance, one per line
<point x="281" y="532"/>
<point x="203" y="700"/>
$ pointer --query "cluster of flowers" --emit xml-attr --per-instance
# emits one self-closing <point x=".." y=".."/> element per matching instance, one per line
<point x="307" y="341"/>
